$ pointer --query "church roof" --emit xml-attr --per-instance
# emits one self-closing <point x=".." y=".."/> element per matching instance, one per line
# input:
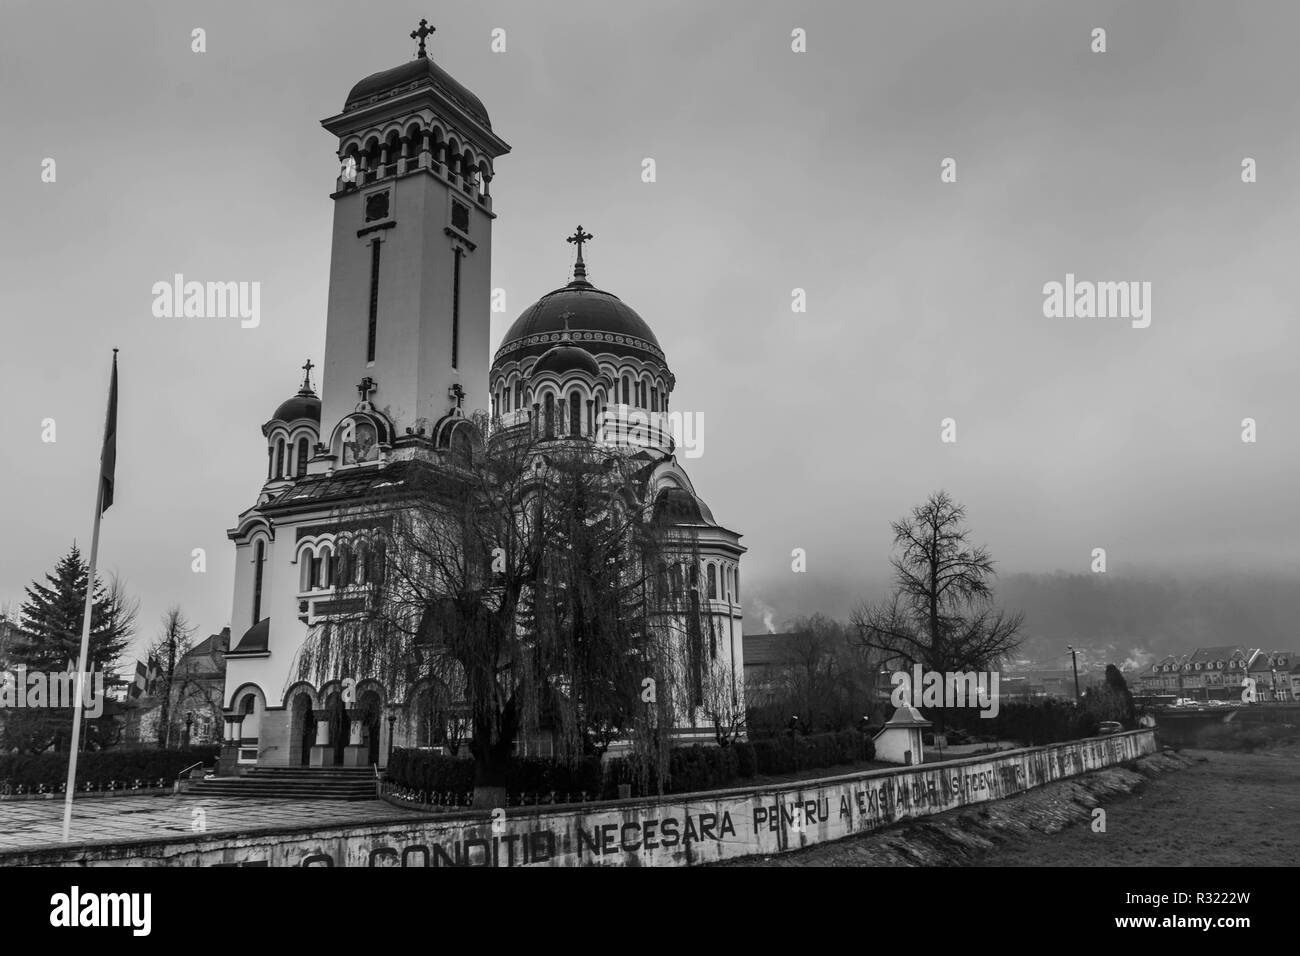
<point x="256" y="639"/>
<point x="678" y="506"/>
<point x="420" y="72"/>
<point x="318" y="490"/>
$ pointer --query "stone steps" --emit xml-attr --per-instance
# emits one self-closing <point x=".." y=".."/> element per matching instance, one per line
<point x="292" y="783"/>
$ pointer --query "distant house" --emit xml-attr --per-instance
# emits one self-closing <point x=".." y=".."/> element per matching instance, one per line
<point x="1215" y="673"/>
<point x="1271" y="671"/>
<point x="1164" y="677"/>
<point x="767" y="663"/>
<point x="197" y="696"/>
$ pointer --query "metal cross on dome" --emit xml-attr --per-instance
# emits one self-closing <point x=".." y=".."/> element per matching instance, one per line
<point x="306" y="378"/>
<point x="579" y="267"/>
<point x="580" y="237"/>
<point x="424" y="31"/>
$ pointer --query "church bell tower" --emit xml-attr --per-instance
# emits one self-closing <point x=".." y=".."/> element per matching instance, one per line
<point x="410" y="263"/>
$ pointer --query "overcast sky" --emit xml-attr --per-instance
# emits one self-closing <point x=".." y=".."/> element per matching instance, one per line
<point x="776" y="171"/>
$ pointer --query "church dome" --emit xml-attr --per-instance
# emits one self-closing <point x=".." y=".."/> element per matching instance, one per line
<point x="599" y="322"/>
<point x="420" y="72"/>
<point x="306" y="404"/>
<point x="564" y="358"/>
<point x="303" y="405"/>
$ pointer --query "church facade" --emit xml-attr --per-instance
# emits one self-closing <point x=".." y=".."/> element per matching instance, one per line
<point x="406" y="362"/>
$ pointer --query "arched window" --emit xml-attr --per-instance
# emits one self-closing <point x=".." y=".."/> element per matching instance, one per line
<point x="270" y="462"/>
<point x="519" y="393"/>
<point x="302" y="457"/>
<point x="548" y="416"/>
<point x="279" y="459"/>
<point x="713" y="581"/>
<point x="259" y="559"/>
<point x="627" y="393"/>
<point x="654" y="399"/>
<point x="575" y="414"/>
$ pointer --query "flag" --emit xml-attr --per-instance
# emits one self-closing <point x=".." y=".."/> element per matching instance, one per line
<point x="108" y="456"/>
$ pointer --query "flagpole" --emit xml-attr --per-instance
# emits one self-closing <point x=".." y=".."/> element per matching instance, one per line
<point x="85" y="633"/>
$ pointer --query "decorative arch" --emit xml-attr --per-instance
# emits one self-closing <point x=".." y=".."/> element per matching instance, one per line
<point x="246" y="689"/>
<point x="360" y="437"/>
<point x="300" y="687"/>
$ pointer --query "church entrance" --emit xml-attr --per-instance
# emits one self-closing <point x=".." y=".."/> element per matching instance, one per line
<point x="371" y="713"/>
<point x="302" y="731"/>
<point x="339" y="726"/>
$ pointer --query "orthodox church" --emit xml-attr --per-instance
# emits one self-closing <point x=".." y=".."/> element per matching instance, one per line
<point x="406" y="360"/>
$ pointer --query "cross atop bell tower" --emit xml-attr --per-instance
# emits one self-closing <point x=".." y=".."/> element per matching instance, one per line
<point x="424" y="31"/>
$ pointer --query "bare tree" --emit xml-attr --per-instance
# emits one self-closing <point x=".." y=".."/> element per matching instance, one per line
<point x="528" y="576"/>
<point x="723" y="701"/>
<point x="172" y="644"/>
<point x="941" y="613"/>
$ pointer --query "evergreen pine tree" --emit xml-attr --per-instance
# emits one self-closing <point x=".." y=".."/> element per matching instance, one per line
<point x="51" y="621"/>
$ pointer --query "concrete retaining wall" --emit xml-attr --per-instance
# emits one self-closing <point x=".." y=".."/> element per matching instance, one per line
<point x="676" y="831"/>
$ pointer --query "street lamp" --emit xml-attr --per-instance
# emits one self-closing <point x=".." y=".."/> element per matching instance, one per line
<point x="1074" y="659"/>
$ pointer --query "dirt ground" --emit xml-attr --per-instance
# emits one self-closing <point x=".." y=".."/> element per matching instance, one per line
<point x="1200" y="808"/>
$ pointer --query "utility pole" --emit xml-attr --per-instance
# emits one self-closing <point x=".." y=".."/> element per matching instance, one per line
<point x="1074" y="659"/>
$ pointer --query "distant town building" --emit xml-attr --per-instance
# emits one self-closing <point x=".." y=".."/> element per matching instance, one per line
<point x="766" y="668"/>
<point x="197" y="692"/>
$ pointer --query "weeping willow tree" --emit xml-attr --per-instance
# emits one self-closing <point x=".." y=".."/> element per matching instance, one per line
<point x="527" y="580"/>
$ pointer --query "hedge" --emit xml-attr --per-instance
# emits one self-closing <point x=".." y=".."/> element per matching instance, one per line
<point x="709" y="768"/>
<point x="444" y="780"/>
<point x="100" y="767"/>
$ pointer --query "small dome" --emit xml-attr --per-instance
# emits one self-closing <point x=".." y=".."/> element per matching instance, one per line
<point x="421" y="71"/>
<point x="562" y="359"/>
<point x="303" y="405"/>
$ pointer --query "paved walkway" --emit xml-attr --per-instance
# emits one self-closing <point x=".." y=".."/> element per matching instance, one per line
<point x="30" y="824"/>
